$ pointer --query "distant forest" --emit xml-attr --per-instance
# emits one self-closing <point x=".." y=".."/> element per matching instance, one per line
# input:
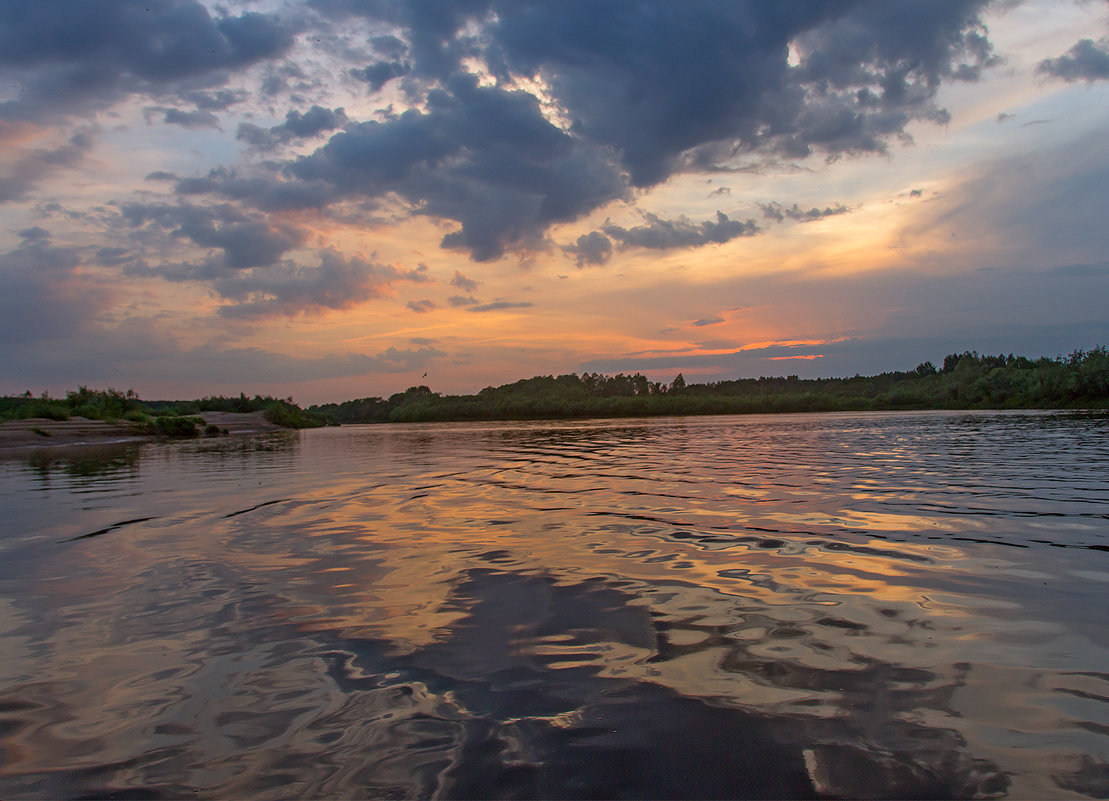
<point x="964" y="381"/>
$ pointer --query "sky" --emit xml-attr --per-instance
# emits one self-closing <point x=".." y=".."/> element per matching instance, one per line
<point x="331" y="199"/>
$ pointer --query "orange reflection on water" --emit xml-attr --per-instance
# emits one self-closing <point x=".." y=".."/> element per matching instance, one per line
<point x="735" y="563"/>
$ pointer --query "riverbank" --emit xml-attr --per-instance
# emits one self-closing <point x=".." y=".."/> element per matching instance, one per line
<point x="39" y="432"/>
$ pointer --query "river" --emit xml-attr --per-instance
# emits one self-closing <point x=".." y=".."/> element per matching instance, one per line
<point x="828" y="605"/>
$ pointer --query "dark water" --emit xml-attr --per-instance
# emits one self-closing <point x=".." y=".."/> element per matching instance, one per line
<point x="885" y="605"/>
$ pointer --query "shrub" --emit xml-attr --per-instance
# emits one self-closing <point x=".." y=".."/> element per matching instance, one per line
<point x="178" y="426"/>
<point x="288" y="416"/>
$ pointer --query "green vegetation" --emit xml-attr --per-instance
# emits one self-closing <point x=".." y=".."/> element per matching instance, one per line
<point x="966" y="381"/>
<point x="280" y="411"/>
<point x="166" y="418"/>
<point x="178" y="426"/>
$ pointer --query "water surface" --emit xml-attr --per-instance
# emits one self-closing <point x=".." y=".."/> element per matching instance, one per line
<point x="845" y="605"/>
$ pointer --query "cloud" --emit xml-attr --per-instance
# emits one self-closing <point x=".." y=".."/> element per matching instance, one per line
<point x="462" y="300"/>
<point x="629" y="80"/>
<point x="681" y="233"/>
<point x="23" y="168"/>
<point x="33" y="234"/>
<point x="778" y="212"/>
<point x="463" y="283"/>
<point x="626" y="104"/>
<point x="1044" y="207"/>
<point x="215" y="101"/>
<point x="245" y="260"/>
<point x="82" y="56"/>
<point x="421" y="306"/>
<point x="186" y="119"/>
<point x="260" y="189"/>
<point x="45" y="296"/>
<point x="244" y="240"/>
<point x="315" y="121"/>
<point x="380" y="73"/>
<point x="1086" y="61"/>
<point x="708" y="321"/>
<point x="288" y="288"/>
<point x="498" y="305"/>
<point x="482" y="156"/>
<point x="591" y="248"/>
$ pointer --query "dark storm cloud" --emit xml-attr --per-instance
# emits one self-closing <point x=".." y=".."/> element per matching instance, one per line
<point x="681" y="233"/>
<point x="244" y="241"/>
<point x="31" y="165"/>
<point x="778" y="212"/>
<point x="1086" y="61"/>
<point x="315" y="121"/>
<point x="72" y="55"/>
<point x="433" y="29"/>
<point x="289" y="289"/>
<point x="641" y="103"/>
<point x="591" y="248"/>
<point x="482" y="156"/>
<point x="630" y="80"/>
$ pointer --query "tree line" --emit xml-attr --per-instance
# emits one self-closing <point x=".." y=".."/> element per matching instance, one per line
<point x="966" y="380"/>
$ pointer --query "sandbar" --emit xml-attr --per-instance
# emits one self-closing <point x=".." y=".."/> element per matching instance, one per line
<point x="23" y="435"/>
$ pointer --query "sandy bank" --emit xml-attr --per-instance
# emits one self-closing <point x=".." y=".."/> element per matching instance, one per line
<point x="37" y="432"/>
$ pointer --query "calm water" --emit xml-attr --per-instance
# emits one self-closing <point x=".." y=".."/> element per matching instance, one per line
<point x="850" y="605"/>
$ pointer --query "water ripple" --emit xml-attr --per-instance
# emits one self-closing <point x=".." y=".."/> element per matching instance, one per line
<point x="845" y="605"/>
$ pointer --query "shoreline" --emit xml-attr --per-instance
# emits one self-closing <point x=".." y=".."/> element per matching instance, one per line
<point x="22" y="436"/>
